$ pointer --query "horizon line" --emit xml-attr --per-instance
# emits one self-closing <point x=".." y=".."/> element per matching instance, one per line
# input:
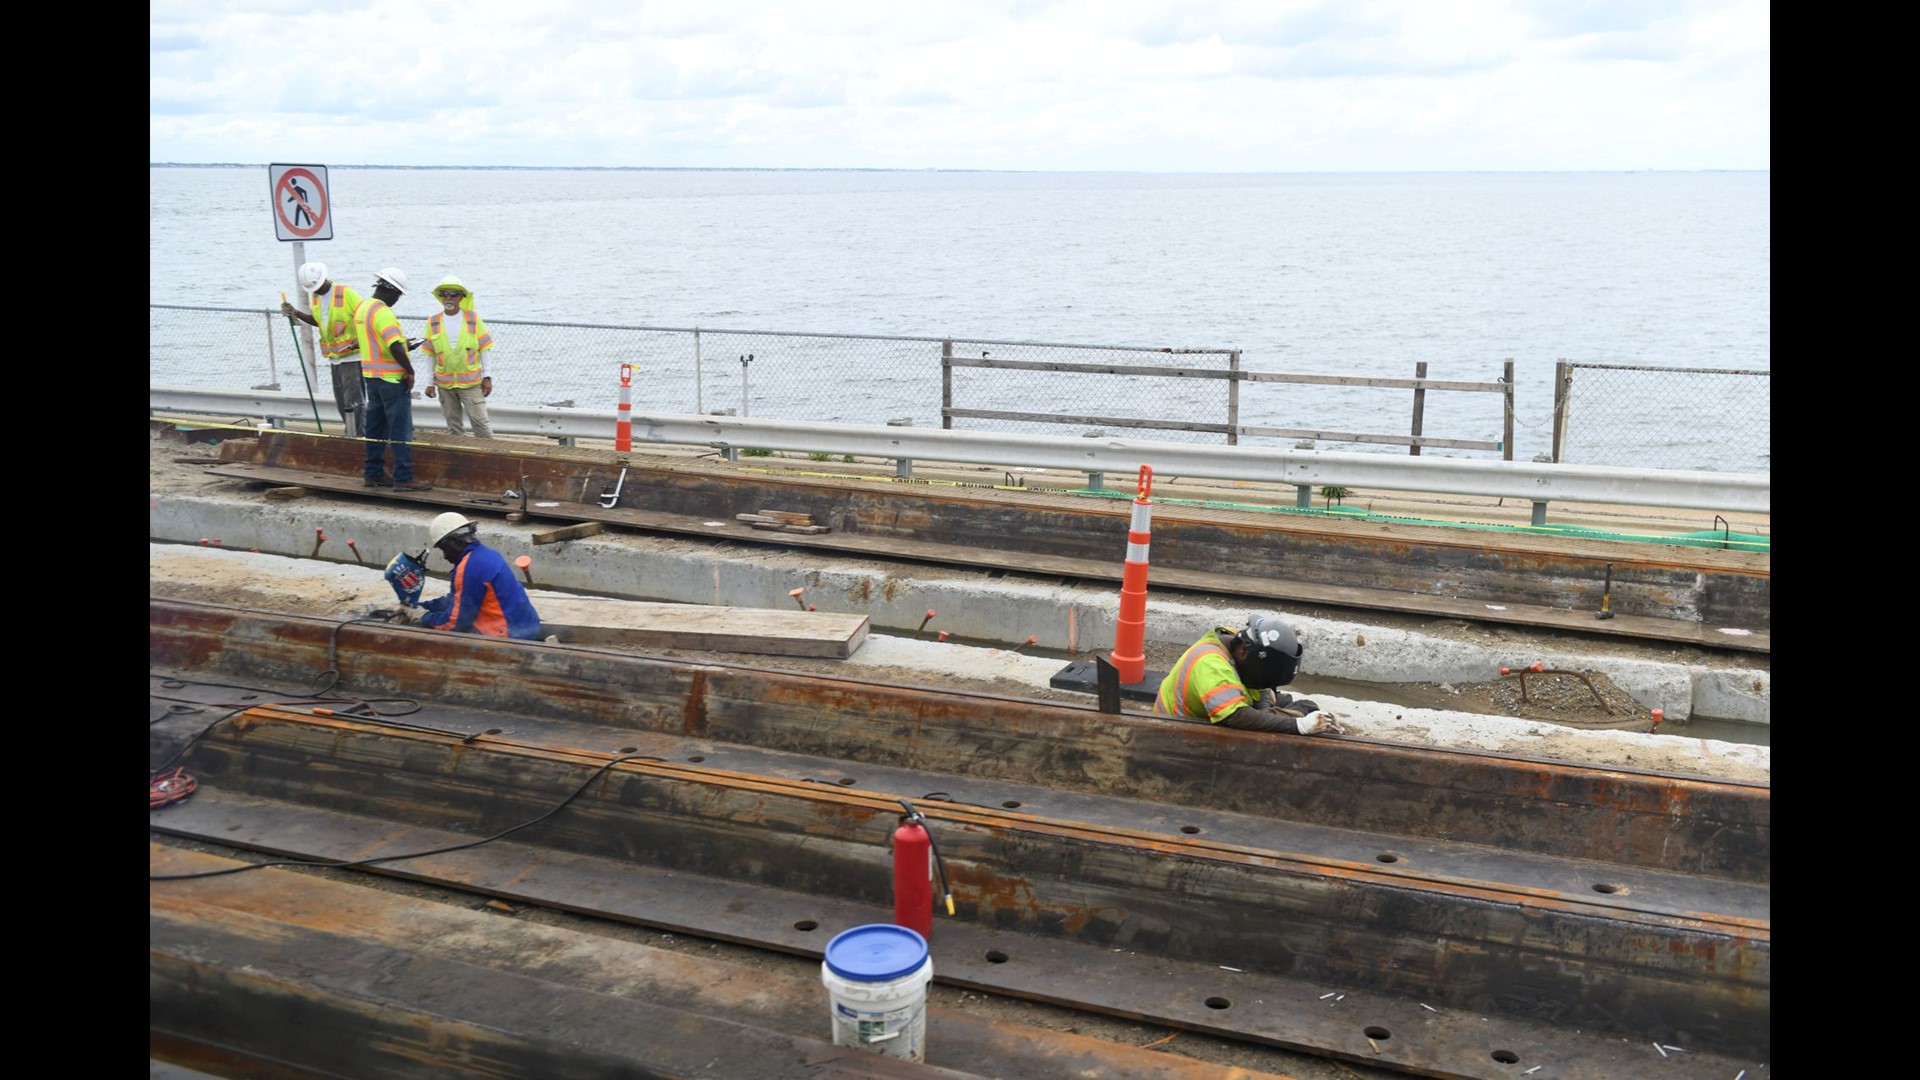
<point x="946" y="169"/>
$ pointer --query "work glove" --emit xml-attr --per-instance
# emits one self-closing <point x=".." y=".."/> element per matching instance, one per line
<point x="430" y="391"/>
<point x="1318" y="723"/>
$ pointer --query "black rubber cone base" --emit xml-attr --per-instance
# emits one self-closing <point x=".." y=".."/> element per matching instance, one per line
<point x="1081" y="676"/>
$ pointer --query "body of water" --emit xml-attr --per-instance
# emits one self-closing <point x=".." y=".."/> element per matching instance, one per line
<point x="1361" y="274"/>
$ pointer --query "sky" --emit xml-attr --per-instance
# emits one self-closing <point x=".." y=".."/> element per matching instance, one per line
<point x="1079" y="85"/>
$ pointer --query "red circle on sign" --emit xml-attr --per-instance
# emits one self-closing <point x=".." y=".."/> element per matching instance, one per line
<point x="283" y="193"/>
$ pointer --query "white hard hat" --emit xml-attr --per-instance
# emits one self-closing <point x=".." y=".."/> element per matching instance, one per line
<point x="446" y="525"/>
<point x="312" y="275"/>
<point x="393" y="276"/>
<point x="450" y="282"/>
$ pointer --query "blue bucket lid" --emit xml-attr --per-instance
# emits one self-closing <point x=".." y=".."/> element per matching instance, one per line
<point x="878" y="952"/>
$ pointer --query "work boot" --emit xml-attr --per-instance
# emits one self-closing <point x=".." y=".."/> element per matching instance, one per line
<point x="413" y="485"/>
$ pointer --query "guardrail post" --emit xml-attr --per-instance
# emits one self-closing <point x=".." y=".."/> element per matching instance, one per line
<point x="946" y="385"/>
<point x="902" y="466"/>
<point x="1506" y="440"/>
<point x="1562" y="393"/>
<point x="1540" y="505"/>
<point x="273" y="363"/>
<point x="1096" y="480"/>
<point x="1233" y="400"/>
<point x="1303" y="493"/>
<point x="1419" y="407"/>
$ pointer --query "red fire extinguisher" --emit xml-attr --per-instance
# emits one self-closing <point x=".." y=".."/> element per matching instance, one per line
<point x="915" y="860"/>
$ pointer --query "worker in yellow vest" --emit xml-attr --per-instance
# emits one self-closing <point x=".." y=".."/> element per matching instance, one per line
<point x="387" y="371"/>
<point x="331" y="305"/>
<point x="459" y="343"/>
<point x="1228" y="678"/>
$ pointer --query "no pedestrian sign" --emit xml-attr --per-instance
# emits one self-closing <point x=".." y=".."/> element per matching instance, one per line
<point x="302" y="207"/>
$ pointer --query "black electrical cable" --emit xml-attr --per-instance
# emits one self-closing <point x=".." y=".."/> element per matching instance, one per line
<point x="328" y="864"/>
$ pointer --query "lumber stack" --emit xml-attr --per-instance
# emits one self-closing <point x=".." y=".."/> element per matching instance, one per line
<point x="782" y="521"/>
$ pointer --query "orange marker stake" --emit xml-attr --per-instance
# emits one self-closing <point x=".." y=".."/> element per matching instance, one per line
<point x="319" y="537"/>
<point x="924" y="622"/>
<point x="355" y="548"/>
<point x="525" y="563"/>
<point x="797" y="602"/>
<point x="943" y="635"/>
<point x="1030" y="640"/>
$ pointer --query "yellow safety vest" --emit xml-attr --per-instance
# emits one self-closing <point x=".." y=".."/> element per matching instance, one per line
<point x="456" y="364"/>
<point x="1204" y="685"/>
<point x="337" y="338"/>
<point x="376" y="328"/>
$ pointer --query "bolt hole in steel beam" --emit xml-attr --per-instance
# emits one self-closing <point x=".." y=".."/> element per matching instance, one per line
<point x="1189" y="828"/>
<point x="1011" y="804"/>
<point x="1386" y="856"/>
<point x="697" y="758"/>
<point x="1506" y="1057"/>
<point x="806" y="924"/>
<point x="1377" y="1033"/>
<point x="1610" y="889"/>
<point x="846" y="781"/>
<point x="1219" y="1003"/>
<point x="628" y="750"/>
<point x="496" y="731"/>
<point x="995" y="956"/>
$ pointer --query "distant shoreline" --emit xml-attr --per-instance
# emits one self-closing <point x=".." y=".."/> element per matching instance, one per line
<point x="1010" y="172"/>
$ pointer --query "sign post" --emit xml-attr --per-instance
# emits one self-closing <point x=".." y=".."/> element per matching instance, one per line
<point x="302" y="211"/>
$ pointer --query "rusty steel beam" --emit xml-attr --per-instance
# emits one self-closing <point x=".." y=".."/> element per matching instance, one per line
<point x="294" y="931"/>
<point x="1696" y="977"/>
<point x="1662" y="592"/>
<point x="1614" y="817"/>
<point x="308" y="919"/>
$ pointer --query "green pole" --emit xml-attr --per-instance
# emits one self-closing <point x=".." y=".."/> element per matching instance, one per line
<point x="302" y="362"/>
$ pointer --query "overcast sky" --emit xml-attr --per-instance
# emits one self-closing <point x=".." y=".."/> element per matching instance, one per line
<point x="1153" y="85"/>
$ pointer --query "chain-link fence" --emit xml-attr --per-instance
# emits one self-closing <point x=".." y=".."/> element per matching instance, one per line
<point x="1713" y="419"/>
<point x="965" y="383"/>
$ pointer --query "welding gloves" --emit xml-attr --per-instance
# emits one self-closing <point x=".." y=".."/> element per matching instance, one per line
<point x="1318" y="723"/>
<point x="1271" y="699"/>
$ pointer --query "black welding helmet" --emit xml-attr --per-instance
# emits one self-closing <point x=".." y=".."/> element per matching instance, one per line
<point x="1273" y="653"/>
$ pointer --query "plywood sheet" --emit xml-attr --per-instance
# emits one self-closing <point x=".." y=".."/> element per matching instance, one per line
<point x="586" y="620"/>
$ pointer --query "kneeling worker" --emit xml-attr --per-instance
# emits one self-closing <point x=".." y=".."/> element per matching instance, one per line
<point x="486" y="597"/>
<point x="1227" y="678"/>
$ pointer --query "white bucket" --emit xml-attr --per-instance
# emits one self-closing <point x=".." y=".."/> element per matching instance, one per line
<point x="876" y="978"/>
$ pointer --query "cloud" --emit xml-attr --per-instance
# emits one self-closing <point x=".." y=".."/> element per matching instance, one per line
<point x="1277" y="85"/>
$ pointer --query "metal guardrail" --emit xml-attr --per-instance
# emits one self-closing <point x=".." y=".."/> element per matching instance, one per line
<point x="1535" y="482"/>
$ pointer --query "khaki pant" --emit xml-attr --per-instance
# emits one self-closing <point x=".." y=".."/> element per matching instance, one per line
<point x="350" y="395"/>
<point x="466" y="400"/>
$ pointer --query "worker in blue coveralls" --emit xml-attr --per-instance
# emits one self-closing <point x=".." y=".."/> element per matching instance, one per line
<point x="486" y="597"/>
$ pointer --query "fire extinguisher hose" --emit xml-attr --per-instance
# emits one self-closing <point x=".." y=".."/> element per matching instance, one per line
<point x="920" y="819"/>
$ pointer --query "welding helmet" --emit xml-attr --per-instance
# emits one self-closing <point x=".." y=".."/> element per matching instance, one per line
<point x="1273" y="653"/>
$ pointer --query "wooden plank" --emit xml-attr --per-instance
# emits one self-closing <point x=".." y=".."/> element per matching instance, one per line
<point x="571" y="532"/>
<point x="787" y="516"/>
<point x="587" y="620"/>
